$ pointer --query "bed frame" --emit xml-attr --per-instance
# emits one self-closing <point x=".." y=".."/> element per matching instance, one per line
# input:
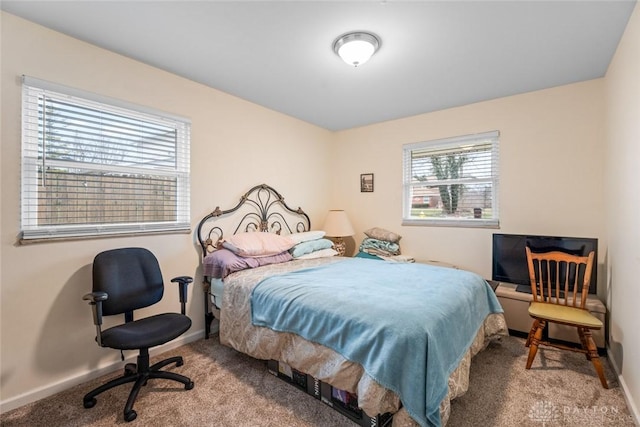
<point x="261" y="209"/>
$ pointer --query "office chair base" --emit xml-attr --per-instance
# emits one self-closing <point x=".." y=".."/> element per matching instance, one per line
<point x="139" y="374"/>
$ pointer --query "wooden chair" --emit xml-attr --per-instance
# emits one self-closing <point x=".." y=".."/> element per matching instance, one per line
<point x="551" y="274"/>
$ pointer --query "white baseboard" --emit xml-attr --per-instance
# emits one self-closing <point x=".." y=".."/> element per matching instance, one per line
<point x="625" y="390"/>
<point x="51" y="389"/>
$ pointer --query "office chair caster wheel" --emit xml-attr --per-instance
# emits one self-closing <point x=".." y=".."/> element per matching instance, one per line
<point x="189" y="385"/>
<point x="130" y="369"/>
<point x="130" y="415"/>
<point x="89" y="403"/>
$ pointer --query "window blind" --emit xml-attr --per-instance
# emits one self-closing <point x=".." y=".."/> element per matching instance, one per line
<point x="92" y="165"/>
<point x="452" y="181"/>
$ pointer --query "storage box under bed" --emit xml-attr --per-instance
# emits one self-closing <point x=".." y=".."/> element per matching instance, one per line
<point x="342" y="401"/>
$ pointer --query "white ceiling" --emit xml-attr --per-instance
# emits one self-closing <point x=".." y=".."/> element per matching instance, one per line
<point x="434" y="54"/>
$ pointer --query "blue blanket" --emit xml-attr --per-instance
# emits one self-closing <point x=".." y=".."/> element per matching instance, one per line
<point x="408" y="325"/>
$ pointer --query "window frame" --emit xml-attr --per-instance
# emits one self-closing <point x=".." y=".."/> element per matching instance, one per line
<point x="458" y="143"/>
<point x="33" y="158"/>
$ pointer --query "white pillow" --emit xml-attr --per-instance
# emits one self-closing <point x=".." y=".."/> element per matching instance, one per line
<point x="258" y="244"/>
<point x="319" y="254"/>
<point x="306" y="236"/>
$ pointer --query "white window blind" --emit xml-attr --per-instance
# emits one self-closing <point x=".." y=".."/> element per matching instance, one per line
<point x="97" y="166"/>
<point x="452" y="181"/>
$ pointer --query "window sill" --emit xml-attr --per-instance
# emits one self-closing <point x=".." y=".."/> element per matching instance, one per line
<point x="458" y="223"/>
<point x="23" y="241"/>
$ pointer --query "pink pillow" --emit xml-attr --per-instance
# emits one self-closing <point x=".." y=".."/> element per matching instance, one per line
<point x="258" y="244"/>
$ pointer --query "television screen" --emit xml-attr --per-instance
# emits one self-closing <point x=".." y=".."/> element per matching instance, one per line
<point x="510" y="258"/>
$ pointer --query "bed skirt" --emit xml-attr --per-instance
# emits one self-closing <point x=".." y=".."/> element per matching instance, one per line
<point x="236" y="331"/>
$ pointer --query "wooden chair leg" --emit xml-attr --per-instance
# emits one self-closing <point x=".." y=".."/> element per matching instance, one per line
<point x="583" y="341"/>
<point x="595" y="359"/>
<point x="534" y="326"/>
<point x="535" y="342"/>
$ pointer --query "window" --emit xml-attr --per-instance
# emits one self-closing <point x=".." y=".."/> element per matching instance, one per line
<point x="96" y="166"/>
<point x="452" y="182"/>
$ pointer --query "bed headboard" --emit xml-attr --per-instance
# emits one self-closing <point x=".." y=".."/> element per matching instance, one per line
<point x="260" y="209"/>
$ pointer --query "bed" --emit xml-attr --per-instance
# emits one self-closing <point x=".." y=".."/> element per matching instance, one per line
<point x="400" y="336"/>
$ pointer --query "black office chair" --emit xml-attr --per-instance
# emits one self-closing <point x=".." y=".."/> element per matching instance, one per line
<point x="125" y="280"/>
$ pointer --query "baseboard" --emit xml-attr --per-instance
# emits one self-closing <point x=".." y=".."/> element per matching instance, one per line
<point x="633" y="409"/>
<point x="51" y="389"/>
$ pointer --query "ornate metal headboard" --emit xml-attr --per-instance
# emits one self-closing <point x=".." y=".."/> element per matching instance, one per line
<point x="260" y="209"/>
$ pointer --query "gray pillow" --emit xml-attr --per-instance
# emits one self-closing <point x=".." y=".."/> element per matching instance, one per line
<point x="382" y="234"/>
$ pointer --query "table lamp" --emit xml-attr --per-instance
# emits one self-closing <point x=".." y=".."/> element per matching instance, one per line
<point x="337" y="225"/>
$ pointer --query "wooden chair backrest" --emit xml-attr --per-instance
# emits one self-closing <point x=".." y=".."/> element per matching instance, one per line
<point x="560" y="278"/>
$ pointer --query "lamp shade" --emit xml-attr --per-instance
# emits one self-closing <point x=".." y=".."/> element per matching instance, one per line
<point x="337" y="224"/>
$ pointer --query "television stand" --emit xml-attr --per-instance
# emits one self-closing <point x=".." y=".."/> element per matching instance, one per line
<point x="516" y="305"/>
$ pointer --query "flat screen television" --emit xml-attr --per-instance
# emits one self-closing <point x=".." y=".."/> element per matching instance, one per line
<point x="510" y="258"/>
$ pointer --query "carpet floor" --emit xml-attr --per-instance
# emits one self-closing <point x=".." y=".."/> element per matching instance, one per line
<point x="234" y="390"/>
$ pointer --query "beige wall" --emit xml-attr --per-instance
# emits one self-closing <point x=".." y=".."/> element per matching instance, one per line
<point x="622" y="177"/>
<point x="552" y="182"/>
<point x="551" y="171"/>
<point x="46" y="329"/>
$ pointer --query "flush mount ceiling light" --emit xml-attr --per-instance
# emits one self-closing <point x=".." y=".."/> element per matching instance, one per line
<point x="356" y="48"/>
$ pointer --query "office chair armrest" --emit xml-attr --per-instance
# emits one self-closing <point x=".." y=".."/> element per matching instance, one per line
<point x="183" y="281"/>
<point x="95" y="301"/>
<point x="95" y="296"/>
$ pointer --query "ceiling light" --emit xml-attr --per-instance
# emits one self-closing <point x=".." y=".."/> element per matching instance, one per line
<point x="356" y="48"/>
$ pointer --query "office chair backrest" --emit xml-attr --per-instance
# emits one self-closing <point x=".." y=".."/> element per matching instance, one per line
<point x="130" y="276"/>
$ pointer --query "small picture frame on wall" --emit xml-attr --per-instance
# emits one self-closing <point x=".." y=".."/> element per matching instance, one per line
<point x="366" y="183"/>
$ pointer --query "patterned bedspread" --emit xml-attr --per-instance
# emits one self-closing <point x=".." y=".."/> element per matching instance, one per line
<point x="321" y="362"/>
